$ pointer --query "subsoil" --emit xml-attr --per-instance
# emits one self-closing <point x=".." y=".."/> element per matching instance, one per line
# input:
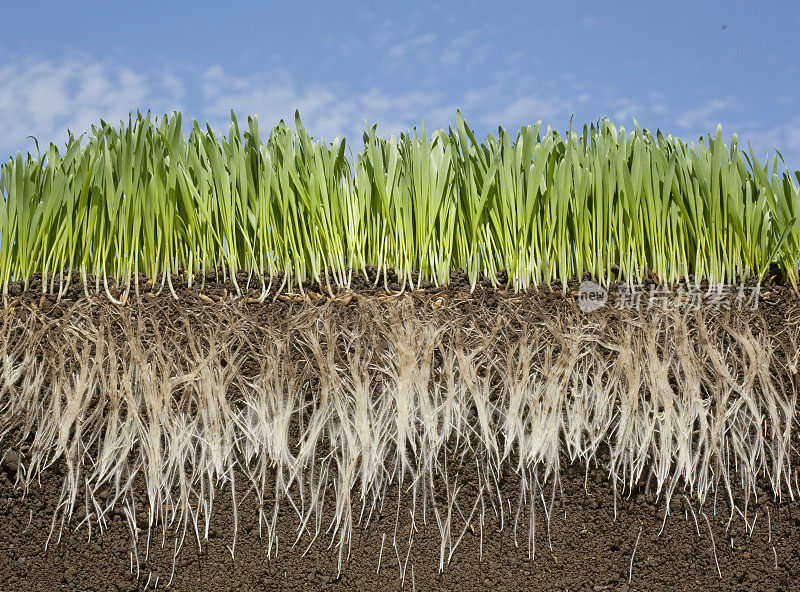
<point x="588" y="547"/>
<point x="594" y="540"/>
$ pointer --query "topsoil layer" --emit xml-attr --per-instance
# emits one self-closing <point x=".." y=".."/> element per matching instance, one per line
<point x="773" y="300"/>
<point x="594" y="540"/>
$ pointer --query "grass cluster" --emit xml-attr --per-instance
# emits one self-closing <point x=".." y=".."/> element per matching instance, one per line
<point x="539" y="205"/>
<point x="321" y="412"/>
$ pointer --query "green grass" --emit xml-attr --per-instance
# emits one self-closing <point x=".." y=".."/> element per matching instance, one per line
<point x="541" y="206"/>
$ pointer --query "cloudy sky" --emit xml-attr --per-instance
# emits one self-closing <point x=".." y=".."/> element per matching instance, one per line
<point x="679" y="66"/>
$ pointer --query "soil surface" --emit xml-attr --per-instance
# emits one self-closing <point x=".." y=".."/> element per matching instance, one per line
<point x="772" y="301"/>
<point x="593" y="540"/>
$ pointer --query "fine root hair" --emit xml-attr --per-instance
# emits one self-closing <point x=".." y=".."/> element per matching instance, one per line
<point x="324" y="409"/>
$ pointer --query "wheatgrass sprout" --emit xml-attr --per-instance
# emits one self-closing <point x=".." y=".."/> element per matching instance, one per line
<point x="540" y="206"/>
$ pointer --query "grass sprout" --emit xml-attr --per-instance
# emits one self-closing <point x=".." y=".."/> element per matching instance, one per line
<point x="613" y="203"/>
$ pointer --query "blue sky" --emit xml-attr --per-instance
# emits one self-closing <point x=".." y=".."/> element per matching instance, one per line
<point x="680" y="66"/>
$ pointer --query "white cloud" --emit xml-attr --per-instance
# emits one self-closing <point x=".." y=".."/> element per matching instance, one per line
<point x="271" y="100"/>
<point x="465" y="50"/>
<point x="450" y="57"/>
<point x="398" y="51"/>
<point x="419" y="48"/>
<point x="526" y="109"/>
<point x="326" y="111"/>
<point x="703" y="117"/>
<point x="764" y="139"/>
<point x="785" y="138"/>
<point x="44" y="97"/>
<point x="625" y="110"/>
<point x="423" y="40"/>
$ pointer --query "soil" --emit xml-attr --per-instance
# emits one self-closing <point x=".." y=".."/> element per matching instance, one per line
<point x="776" y="301"/>
<point x="594" y="539"/>
<point x="588" y="549"/>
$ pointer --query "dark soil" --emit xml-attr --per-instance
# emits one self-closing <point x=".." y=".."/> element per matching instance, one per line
<point x="595" y="540"/>
<point x="589" y="549"/>
<point x="776" y="302"/>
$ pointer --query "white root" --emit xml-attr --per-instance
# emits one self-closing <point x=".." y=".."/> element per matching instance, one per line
<point x="630" y="567"/>
<point x="402" y="400"/>
<point x="713" y="544"/>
